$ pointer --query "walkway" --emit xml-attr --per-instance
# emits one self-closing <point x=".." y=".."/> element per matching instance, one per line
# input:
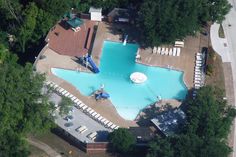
<point x="51" y="152"/>
<point x="227" y="49"/>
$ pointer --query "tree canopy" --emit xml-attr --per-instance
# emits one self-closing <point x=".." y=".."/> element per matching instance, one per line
<point x="209" y="118"/>
<point x="23" y="107"/>
<point x="122" y="140"/>
<point x="164" y="21"/>
<point x="65" y="105"/>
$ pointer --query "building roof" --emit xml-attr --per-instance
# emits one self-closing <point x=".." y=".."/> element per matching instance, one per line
<point x="78" y="118"/>
<point x="75" y="22"/>
<point x="65" y="41"/>
<point x="169" y="121"/>
<point x="92" y="9"/>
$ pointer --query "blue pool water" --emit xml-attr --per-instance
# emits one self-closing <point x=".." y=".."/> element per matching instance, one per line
<point x="116" y="65"/>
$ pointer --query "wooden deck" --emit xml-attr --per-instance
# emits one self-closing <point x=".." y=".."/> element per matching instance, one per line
<point x="63" y="40"/>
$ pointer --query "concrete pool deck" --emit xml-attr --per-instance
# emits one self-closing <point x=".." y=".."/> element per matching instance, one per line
<point x="184" y="63"/>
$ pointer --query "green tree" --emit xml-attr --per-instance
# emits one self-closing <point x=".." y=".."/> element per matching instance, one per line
<point x="122" y="140"/>
<point x="29" y="23"/>
<point x="65" y="106"/>
<point x="160" y="147"/>
<point x="23" y="107"/>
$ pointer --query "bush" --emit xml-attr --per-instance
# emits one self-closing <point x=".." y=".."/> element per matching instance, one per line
<point x="122" y="140"/>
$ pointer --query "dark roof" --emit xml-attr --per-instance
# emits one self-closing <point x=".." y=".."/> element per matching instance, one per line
<point x="169" y="121"/>
<point x="75" y="22"/>
<point x="143" y="134"/>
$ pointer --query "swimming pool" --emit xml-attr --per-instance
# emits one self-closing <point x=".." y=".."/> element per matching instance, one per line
<point x="116" y="65"/>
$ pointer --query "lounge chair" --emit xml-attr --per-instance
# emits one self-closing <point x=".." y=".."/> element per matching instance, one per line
<point x="76" y="100"/>
<point x="154" y="50"/>
<point x="103" y="120"/>
<point x="84" y="107"/>
<point x="100" y="118"/>
<point x="162" y="51"/>
<point x="70" y="96"/>
<point x="63" y="92"/>
<point x="199" y="65"/>
<point x="170" y="52"/>
<point x="67" y="94"/>
<point x="92" y="136"/>
<point x="116" y="127"/>
<point x="198" y="62"/>
<point x="197" y="78"/>
<point x="91" y="112"/>
<point x="81" y="129"/>
<point x="158" y="50"/>
<point x="174" y="51"/>
<point x="113" y="126"/>
<point x="109" y="124"/>
<point x="106" y="122"/>
<point x="88" y="109"/>
<point x="178" y="52"/>
<point x="94" y="114"/>
<point x="166" y="51"/>
<point x="197" y="73"/>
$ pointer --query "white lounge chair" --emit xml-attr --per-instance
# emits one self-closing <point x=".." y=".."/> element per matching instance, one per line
<point x="116" y="127"/>
<point x="92" y="136"/>
<point x="100" y="118"/>
<point x="162" y="51"/>
<point x="61" y="90"/>
<point x="174" y="51"/>
<point x="158" y="50"/>
<point x="166" y="51"/>
<point x="76" y="100"/>
<point x="178" y="51"/>
<point x="198" y="65"/>
<point x="67" y="94"/>
<point x="106" y="122"/>
<point x="103" y="120"/>
<point x="84" y="107"/>
<point x="94" y="114"/>
<point x="170" y="52"/>
<point x="197" y="73"/>
<point x="197" y="78"/>
<point x="70" y="96"/>
<point x="154" y="50"/>
<point x="113" y="126"/>
<point x="109" y="124"/>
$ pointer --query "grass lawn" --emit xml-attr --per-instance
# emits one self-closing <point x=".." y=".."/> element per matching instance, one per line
<point x="36" y="152"/>
<point x="221" y="32"/>
<point x="217" y="77"/>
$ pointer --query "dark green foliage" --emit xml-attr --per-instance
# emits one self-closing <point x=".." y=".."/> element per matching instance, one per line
<point x="164" y="21"/>
<point x="122" y="140"/>
<point x="23" y="108"/>
<point x="160" y="147"/>
<point x="205" y="134"/>
<point x="65" y="106"/>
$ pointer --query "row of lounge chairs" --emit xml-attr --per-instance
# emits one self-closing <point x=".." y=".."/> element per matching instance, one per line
<point x="167" y="51"/>
<point x="198" y="73"/>
<point x="80" y="105"/>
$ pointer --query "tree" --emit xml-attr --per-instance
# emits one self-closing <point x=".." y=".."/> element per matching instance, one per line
<point x="164" y="22"/>
<point x="29" y="23"/>
<point x="122" y="140"/>
<point x="160" y="147"/>
<point x="65" y="105"/>
<point x="23" y="107"/>
<point x="208" y="122"/>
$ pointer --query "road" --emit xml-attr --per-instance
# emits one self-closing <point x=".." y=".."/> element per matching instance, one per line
<point x="226" y="48"/>
<point x="229" y="26"/>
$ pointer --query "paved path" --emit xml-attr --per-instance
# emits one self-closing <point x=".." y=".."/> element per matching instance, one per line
<point x="47" y="149"/>
<point x="227" y="49"/>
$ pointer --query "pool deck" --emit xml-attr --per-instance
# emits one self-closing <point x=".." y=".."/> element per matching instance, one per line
<point x="184" y="63"/>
